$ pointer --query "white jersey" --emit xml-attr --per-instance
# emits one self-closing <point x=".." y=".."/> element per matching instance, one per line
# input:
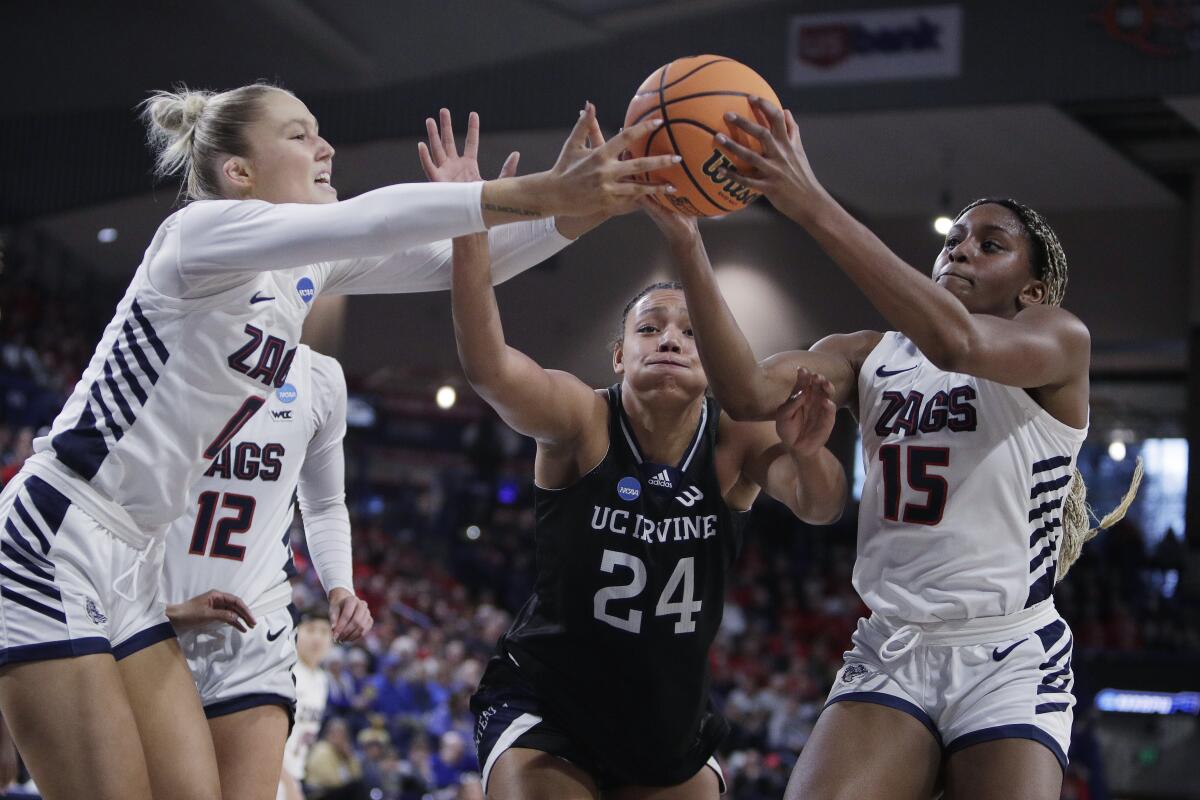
<point x="208" y="329"/>
<point x="965" y="480"/>
<point x="234" y="535"/>
<point x="312" y="692"/>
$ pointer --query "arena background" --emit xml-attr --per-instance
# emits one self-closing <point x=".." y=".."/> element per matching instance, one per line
<point x="1086" y="110"/>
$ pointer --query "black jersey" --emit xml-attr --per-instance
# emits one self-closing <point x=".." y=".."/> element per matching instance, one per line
<point x="632" y="563"/>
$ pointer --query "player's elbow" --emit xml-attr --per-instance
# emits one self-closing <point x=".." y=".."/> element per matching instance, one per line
<point x="822" y="513"/>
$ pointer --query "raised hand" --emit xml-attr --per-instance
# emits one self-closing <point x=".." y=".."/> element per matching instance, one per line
<point x="678" y="229"/>
<point x="805" y="421"/>
<point x="209" y="607"/>
<point x="597" y="178"/>
<point x="440" y="157"/>
<point x="782" y="171"/>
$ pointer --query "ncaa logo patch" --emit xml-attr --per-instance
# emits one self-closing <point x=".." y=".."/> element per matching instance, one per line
<point x="306" y="290"/>
<point x="629" y="489"/>
<point x="287" y="393"/>
<point x="853" y="672"/>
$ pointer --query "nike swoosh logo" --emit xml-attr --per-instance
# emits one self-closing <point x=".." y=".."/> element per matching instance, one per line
<point x="257" y="299"/>
<point x="273" y="636"/>
<point x="883" y="372"/>
<point x="1000" y="655"/>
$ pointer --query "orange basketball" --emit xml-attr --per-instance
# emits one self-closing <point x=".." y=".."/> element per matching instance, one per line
<point x="692" y="95"/>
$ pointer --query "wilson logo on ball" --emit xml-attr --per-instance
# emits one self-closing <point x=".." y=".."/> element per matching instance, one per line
<point x="723" y="174"/>
<point x="691" y="96"/>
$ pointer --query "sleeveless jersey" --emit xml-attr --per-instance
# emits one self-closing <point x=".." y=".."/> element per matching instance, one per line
<point x="632" y="566"/>
<point x="234" y="535"/>
<point x="965" y="481"/>
<point x="173" y="380"/>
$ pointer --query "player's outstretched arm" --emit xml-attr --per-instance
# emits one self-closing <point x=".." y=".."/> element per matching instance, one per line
<point x="550" y="406"/>
<point x="1026" y="351"/>
<point x="790" y="461"/>
<point x="746" y="388"/>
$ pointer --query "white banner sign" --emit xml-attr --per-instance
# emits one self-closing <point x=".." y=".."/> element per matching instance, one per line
<point x="867" y="46"/>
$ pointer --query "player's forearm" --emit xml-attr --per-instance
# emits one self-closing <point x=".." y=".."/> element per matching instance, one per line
<point x="738" y="382"/>
<point x="327" y="535"/>
<point x="477" y="327"/>
<point x="819" y="490"/>
<point x="917" y="307"/>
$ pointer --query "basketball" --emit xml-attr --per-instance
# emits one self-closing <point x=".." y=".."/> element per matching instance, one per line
<point x="692" y="95"/>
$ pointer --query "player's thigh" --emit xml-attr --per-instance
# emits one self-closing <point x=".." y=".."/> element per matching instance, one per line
<point x="170" y="720"/>
<point x="524" y="774"/>
<point x="77" y="706"/>
<point x="863" y="751"/>
<point x="704" y="785"/>
<point x="249" y="746"/>
<point x="1003" y="769"/>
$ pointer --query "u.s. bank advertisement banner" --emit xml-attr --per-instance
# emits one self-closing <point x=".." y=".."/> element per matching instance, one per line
<point x="868" y="46"/>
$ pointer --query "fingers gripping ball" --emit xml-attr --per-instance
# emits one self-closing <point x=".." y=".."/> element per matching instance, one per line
<point x="692" y="95"/>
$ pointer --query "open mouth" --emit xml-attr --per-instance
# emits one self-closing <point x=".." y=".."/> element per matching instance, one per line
<point x="323" y="179"/>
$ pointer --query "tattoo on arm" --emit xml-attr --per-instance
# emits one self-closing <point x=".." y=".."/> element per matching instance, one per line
<point x="520" y="212"/>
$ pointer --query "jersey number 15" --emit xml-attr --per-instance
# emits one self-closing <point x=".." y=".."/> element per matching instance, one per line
<point x="919" y="478"/>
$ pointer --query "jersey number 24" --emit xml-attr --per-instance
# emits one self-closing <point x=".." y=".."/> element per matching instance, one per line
<point x="682" y="581"/>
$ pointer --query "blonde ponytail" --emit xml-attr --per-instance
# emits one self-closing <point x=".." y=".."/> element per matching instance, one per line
<point x="192" y="131"/>
<point x="1077" y="516"/>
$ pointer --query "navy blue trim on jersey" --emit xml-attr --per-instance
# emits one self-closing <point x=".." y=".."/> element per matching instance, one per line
<point x="697" y="437"/>
<point x="128" y="374"/>
<point x="49" y="502"/>
<point x="1053" y="462"/>
<point x="32" y="605"/>
<point x="84" y="447"/>
<point x="50" y="591"/>
<point x="46" y="651"/>
<point x="151" y="334"/>
<point x="143" y="639"/>
<point x="1049" y="486"/>
<point x="17" y="556"/>
<point x="115" y="391"/>
<point x="1041" y="588"/>
<point x="1049" y="505"/>
<point x="891" y="701"/>
<point x="1051" y="633"/>
<point x="223" y="708"/>
<point x="139" y="355"/>
<point x="43" y="542"/>
<point x="1010" y="732"/>
<point x="1044" y="530"/>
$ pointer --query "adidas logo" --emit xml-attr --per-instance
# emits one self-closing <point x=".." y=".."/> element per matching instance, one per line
<point x="662" y="480"/>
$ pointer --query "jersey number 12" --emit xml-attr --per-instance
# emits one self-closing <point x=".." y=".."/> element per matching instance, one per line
<point x="242" y="505"/>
